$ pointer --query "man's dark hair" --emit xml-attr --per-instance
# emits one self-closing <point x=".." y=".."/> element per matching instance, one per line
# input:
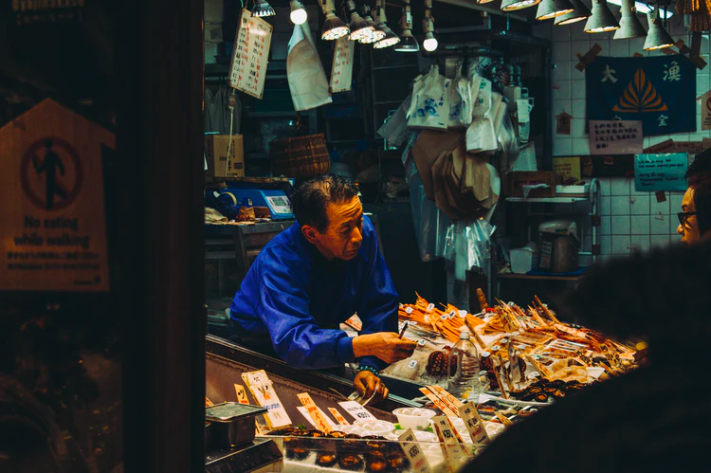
<point x="702" y="202"/>
<point x="700" y="169"/>
<point x="310" y="200"/>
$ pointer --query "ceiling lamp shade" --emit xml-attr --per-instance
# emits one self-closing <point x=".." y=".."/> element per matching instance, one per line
<point x="333" y="27"/>
<point x="377" y="33"/>
<point x="549" y="9"/>
<point x="408" y="43"/>
<point x="358" y="26"/>
<point x="262" y="8"/>
<point x="482" y="2"/>
<point x="391" y="39"/>
<point x="602" y="19"/>
<point x="657" y="36"/>
<point x="580" y="12"/>
<point x="630" y="26"/>
<point x="513" y="5"/>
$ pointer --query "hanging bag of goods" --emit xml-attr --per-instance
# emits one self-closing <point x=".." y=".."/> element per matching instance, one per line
<point x="429" y="108"/>
<point x="301" y="157"/>
<point x="457" y="107"/>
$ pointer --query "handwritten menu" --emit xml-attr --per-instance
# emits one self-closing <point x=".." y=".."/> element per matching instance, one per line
<point x="615" y="137"/>
<point x="250" y="56"/>
<point x="660" y="172"/>
<point x="342" y="70"/>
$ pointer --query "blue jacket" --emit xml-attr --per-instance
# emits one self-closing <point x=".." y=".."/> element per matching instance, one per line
<point x="295" y="295"/>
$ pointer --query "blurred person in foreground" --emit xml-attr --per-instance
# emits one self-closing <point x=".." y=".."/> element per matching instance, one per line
<point x="654" y="418"/>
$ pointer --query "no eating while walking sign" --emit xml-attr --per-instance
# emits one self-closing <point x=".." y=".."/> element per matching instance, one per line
<point x="53" y="231"/>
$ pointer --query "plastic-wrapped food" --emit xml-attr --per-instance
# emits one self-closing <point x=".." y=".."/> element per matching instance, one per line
<point x="468" y="245"/>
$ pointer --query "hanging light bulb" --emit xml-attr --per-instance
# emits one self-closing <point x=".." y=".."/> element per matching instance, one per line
<point x="549" y="9"/>
<point x="358" y="26"/>
<point x="579" y="13"/>
<point x="602" y="19"/>
<point x="513" y="5"/>
<point x="262" y="8"/>
<point x="333" y="27"/>
<point x="630" y="26"/>
<point x="430" y="43"/>
<point x="408" y="43"/>
<point x="377" y="33"/>
<point x="391" y="38"/>
<point x="657" y="36"/>
<point x="298" y="14"/>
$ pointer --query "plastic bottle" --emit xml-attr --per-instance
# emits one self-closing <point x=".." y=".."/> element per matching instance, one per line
<point x="464" y="373"/>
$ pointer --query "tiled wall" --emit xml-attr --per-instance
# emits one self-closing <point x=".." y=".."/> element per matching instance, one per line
<point x="631" y="220"/>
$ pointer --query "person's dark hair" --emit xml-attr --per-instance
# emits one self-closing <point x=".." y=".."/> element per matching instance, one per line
<point x="700" y="169"/>
<point x="310" y="200"/>
<point x="702" y="202"/>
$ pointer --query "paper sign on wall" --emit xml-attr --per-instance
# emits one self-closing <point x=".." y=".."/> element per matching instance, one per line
<point x="615" y="137"/>
<point x="705" y="110"/>
<point x="342" y="70"/>
<point x="569" y="167"/>
<point x="248" y="68"/>
<point x="660" y="172"/>
<point x="52" y="216"/>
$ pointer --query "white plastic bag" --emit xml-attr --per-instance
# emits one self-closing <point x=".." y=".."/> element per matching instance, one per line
<point x="429" y="108"/>
<point x="455" y="101"/>
<point x="481" y="136"/>
<point x="464" y="86"/>
<point x="482" y="105"/>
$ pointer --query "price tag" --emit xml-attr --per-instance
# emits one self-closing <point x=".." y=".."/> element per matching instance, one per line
<point x="355" y="323"/>
<point x="409" y="310"/>
<point x="342" y="70"/>
<point x="339" y="418"/>
<point x="430" y="307"/>
<point x="412" y="364"/>
<point x="474" y="424"/>
<point x="452" y="314"/>
<point x="241" y="394"/>
<point x="444" y="429"/>
<point x="413" y="452"/>
<point x="320" y="420"/>
<point x="448" y="398"/>
<point x="302" y="410"/>
<point x="427" y="318"/>
<point x="437" y="402"/>
<point x="463" y="314"/>
<point x="443" y="317"/>
<point x="264" y="395"/>
<point x="356" y="410"/>
<point x="400" y="306"/>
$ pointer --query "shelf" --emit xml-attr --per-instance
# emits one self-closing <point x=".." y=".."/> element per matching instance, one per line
<point x="396" y="66"/>
<point x="547" y="200"/>
<point x="540" y="278"/>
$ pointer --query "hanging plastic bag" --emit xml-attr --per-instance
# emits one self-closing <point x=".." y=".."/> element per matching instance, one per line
<point x="430" y="103"/>
<point x="468" y="245"/>
<point x="455" y="100"/>
<point x="394" y="129"/>
<point x="482" y="105"/>
<point x="481" y="136"/>
<point x="464" y="87"/>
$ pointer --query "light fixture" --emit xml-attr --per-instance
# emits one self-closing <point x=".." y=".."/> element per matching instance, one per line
<point x="579" y="13"/>
<point x="549" y="9"/>
<point x="482" y="2"/>
<point x="630" y="26"/>
<point x="358" y="26"/>
<point x="408" y="43"/>
<point x="377" y="33"/>
<point x="430" y="43"/>
<point x="298" y="14"/>
<point x="602" y="19"/>
<point x="657" y="36"/>
<point x="333" y="27"/>
<point x="262" y="8"/>
<point x="643" y="8"/>
<point x="391" y="38"/>
<point x="513" y="5"/>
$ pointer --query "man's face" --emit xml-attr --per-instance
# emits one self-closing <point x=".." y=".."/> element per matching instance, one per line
<point x="344" y="234"/>
<point x="689" y="229"/>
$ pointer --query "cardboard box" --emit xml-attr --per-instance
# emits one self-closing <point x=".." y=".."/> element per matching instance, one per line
<point x="516" y="180"/>
<point x="218" y="165"/>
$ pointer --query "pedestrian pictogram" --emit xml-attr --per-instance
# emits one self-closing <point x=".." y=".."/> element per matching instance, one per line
<point x="51" y="173"/>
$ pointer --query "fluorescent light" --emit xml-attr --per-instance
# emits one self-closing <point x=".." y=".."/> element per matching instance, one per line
<point x="644" y="8"/>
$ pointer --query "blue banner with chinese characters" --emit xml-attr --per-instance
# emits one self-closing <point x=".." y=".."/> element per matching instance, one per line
<point x="658" y="91"/>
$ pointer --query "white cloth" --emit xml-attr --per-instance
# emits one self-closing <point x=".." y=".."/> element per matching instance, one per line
<point x="307" y="79"/>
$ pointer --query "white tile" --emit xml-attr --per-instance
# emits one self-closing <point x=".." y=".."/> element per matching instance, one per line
<point x="620" y="225"/>
<point x="562" y="104"/>
<point x="636" y="45"/>
<point x="605" y="183"/>
<point x="584" y="260"/>
<point x="655" y="207"/>
<point x="543" y="30"/>
<point x="581" y="146"/>
<point x="578" y="108"/>
<point x="562" y="147"/>
<point x="675" y="239"/>
<point x="702" y="85"/>
<point x="620" y="186"/>
<point x="619" y="48"/>
<point x="673" y="225"/>
<point x="578" y="89"/>
<point x="640" y="225"/>
<point x="577" y="127"/>
<point x="660" y="241"/>
<point x="577" y="33"/>
<point x="602" y="41"/>
<point x="640" y="243"/>
<point x="620" y="205"/>
<point x="659" y="225"/>
<point x="562" y="90"/>
<point x="639" y="205"/>
<point x="561" y="52"/>
<point x="606" y="225"/>
<point x="675" y="202"/>
<point x="605" y="205"/>
<point x="704" y="44"/>
<point x="561" y="34"/>
<point x="620" y="245"/>
<point x="606" y="245"/>
<point x="562" y="71"/>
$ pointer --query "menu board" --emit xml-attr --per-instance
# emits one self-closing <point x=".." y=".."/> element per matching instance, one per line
<point x="248" y="68"/>
<point x="342" y="70"/>
<point x="615" y="137"/>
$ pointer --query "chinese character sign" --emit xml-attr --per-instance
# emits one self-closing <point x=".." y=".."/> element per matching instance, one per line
<point x="250" y="55"/>
<point x="658" y="91"/>
<point x="342" y="70"/>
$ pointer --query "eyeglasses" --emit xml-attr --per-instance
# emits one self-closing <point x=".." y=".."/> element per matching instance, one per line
<point x="683" y="216"/>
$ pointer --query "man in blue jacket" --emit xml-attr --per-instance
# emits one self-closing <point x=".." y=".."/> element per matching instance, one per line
<point x="315" y="275"/>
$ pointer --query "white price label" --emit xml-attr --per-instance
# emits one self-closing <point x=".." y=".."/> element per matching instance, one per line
<point x="356" y="410"/>
<point x="321" y="421"/>
<point x="413" y="451"/>
<point x="474" y="424"/>
<point x="430" y="307"/>
<point x="463" y="313"/>
<point x="452" y="314"/>
<point x="409" y="310"/>
<point x="412" y="364"/>
<point x="443" y="317"/>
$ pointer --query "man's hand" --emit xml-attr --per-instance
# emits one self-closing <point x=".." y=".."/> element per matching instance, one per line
<point x="385" y="345"/>
<point x="367" y="384"/>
